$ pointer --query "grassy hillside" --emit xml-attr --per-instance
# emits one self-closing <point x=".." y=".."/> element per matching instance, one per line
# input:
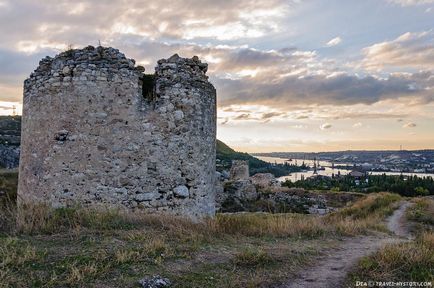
<point x="226" y="154"/>
<point x="88" y="248"/>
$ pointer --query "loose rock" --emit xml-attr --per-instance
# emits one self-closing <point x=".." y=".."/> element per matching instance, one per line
<point x="155" y="282"/>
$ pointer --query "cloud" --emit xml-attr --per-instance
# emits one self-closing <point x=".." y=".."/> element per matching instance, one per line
<point x="224" y="122"/>
<point x="279" y="78"/>
<point x="333" y="42"/>
<point x="299" y="126"/>
<point x="410" y="50"/>
<point x="325" y="126"/>
<point x="411" y="2"/>
<point x="270" y="115"/>
<point x="253" y="114"/>
<point x="245" y="116"/>
<point x="49" y="23"/>
<point x="409" y="125"/>
<point x="284" y="77"/>
<point x="15" y="64"/>
<point x="283" y="91"/>
<point x="357" y="125"/>
<point x="289" y="76"/>
<point x="364" y="115"/>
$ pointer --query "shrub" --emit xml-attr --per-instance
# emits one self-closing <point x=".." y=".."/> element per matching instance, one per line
<point x="148" y="87"/>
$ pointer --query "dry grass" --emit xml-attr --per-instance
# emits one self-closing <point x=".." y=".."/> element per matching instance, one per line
<point x="378" y="204"/>
<point x="77" y="274"/>
<point x="8" y="196"/>
<point x="410" y="261"/>
<point x="276" y="225"/>
<point x="42" y="219"/>
<point x="252" y="257"/>
<point x="365" y="215"/>
<point x="70" y="247"/>
<point x="422" y="211"/>
<point x="16" y="252"/>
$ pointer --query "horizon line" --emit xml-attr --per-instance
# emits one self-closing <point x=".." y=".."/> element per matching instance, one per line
<point x="336" y="151"/>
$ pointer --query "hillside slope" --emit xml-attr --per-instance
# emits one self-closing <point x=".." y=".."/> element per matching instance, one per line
<point x="226" y="154"/>
<point x="10" y="136"/>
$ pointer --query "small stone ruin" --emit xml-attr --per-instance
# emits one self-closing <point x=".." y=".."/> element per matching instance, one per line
<point x="239" y="170"/>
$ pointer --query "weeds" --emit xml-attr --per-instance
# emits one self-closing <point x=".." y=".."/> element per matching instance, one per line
<point x="16" y="252"/>
<point x="8" y="197"/>
<point x="422" y="211"/>
<point x="380" y="204"/>
<point x="73" y="246"/>
<point x="410" y="261"/>
<point x="42" y="219"/>
<point x="251" y="257"/>
<point x="274" y="225"/>
<point x="78" y="273"/>
<point x="364" y="215"/>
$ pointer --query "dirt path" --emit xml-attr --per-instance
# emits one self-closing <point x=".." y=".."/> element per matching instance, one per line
<point x="397" y="224"/>
<point x="332" y="268"/>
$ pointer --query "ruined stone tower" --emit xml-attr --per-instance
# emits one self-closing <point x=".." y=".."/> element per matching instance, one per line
<point x="97" y="131"/>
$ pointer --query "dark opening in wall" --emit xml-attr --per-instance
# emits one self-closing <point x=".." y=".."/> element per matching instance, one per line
<point x="148" y="87"/>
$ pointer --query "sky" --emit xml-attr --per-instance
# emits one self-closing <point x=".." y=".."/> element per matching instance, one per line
<point x="291" y="75"/>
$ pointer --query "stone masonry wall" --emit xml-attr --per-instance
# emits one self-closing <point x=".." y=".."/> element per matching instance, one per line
<point x="90" y="137"/>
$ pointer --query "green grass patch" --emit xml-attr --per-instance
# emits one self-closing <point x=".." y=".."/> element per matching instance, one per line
<point x="8" y="187"/>
<point x="252" y="257"/>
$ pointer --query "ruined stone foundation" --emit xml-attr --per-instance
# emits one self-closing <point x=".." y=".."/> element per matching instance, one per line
<point x="96" y="131"/>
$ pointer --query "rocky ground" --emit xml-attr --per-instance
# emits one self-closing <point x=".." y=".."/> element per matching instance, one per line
<point x="262" y="192"/>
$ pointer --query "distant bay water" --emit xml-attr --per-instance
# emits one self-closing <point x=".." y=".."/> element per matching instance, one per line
<point x="328" y="170"/>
